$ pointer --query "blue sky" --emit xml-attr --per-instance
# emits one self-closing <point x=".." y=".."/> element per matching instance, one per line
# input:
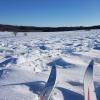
<point x="50" y="12"/>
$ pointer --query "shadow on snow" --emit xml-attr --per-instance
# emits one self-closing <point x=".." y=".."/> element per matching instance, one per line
<point x="35" y="87"/>
<point x="60" y="62"/>
<point x="9" y="60"/>
<point x="70" y="95"/>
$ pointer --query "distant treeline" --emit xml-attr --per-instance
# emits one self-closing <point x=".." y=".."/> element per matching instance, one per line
<point x="13" y="28"/>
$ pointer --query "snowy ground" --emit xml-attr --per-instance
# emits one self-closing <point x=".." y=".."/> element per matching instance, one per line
<point x="25" y="64"/>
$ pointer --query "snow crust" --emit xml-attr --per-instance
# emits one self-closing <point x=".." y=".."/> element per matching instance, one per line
<point x="26" y="61"/>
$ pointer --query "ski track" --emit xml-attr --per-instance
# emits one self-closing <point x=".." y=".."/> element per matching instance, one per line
<point x="26" y="61"/>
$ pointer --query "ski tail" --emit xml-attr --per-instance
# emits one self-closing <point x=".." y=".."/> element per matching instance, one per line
<point x="45" y="94"/>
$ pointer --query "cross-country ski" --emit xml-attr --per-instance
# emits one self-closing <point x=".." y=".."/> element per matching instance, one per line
<point x="45" y="94"/>
<point x="89" y="89"/>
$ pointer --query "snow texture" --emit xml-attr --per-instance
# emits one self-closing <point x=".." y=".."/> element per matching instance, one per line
<point x="26" y="62"/>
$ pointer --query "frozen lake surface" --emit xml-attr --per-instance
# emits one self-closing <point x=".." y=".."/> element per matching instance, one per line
<point x="26" y="61"/>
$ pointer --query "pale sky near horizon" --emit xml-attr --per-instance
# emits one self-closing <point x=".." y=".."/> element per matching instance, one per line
<point x="50" y="12"/>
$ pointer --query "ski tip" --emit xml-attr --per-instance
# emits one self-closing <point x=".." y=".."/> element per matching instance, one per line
<point x="54" y="66"/>
<point x="91" y="63"/>
<point x="90" y="67"/>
